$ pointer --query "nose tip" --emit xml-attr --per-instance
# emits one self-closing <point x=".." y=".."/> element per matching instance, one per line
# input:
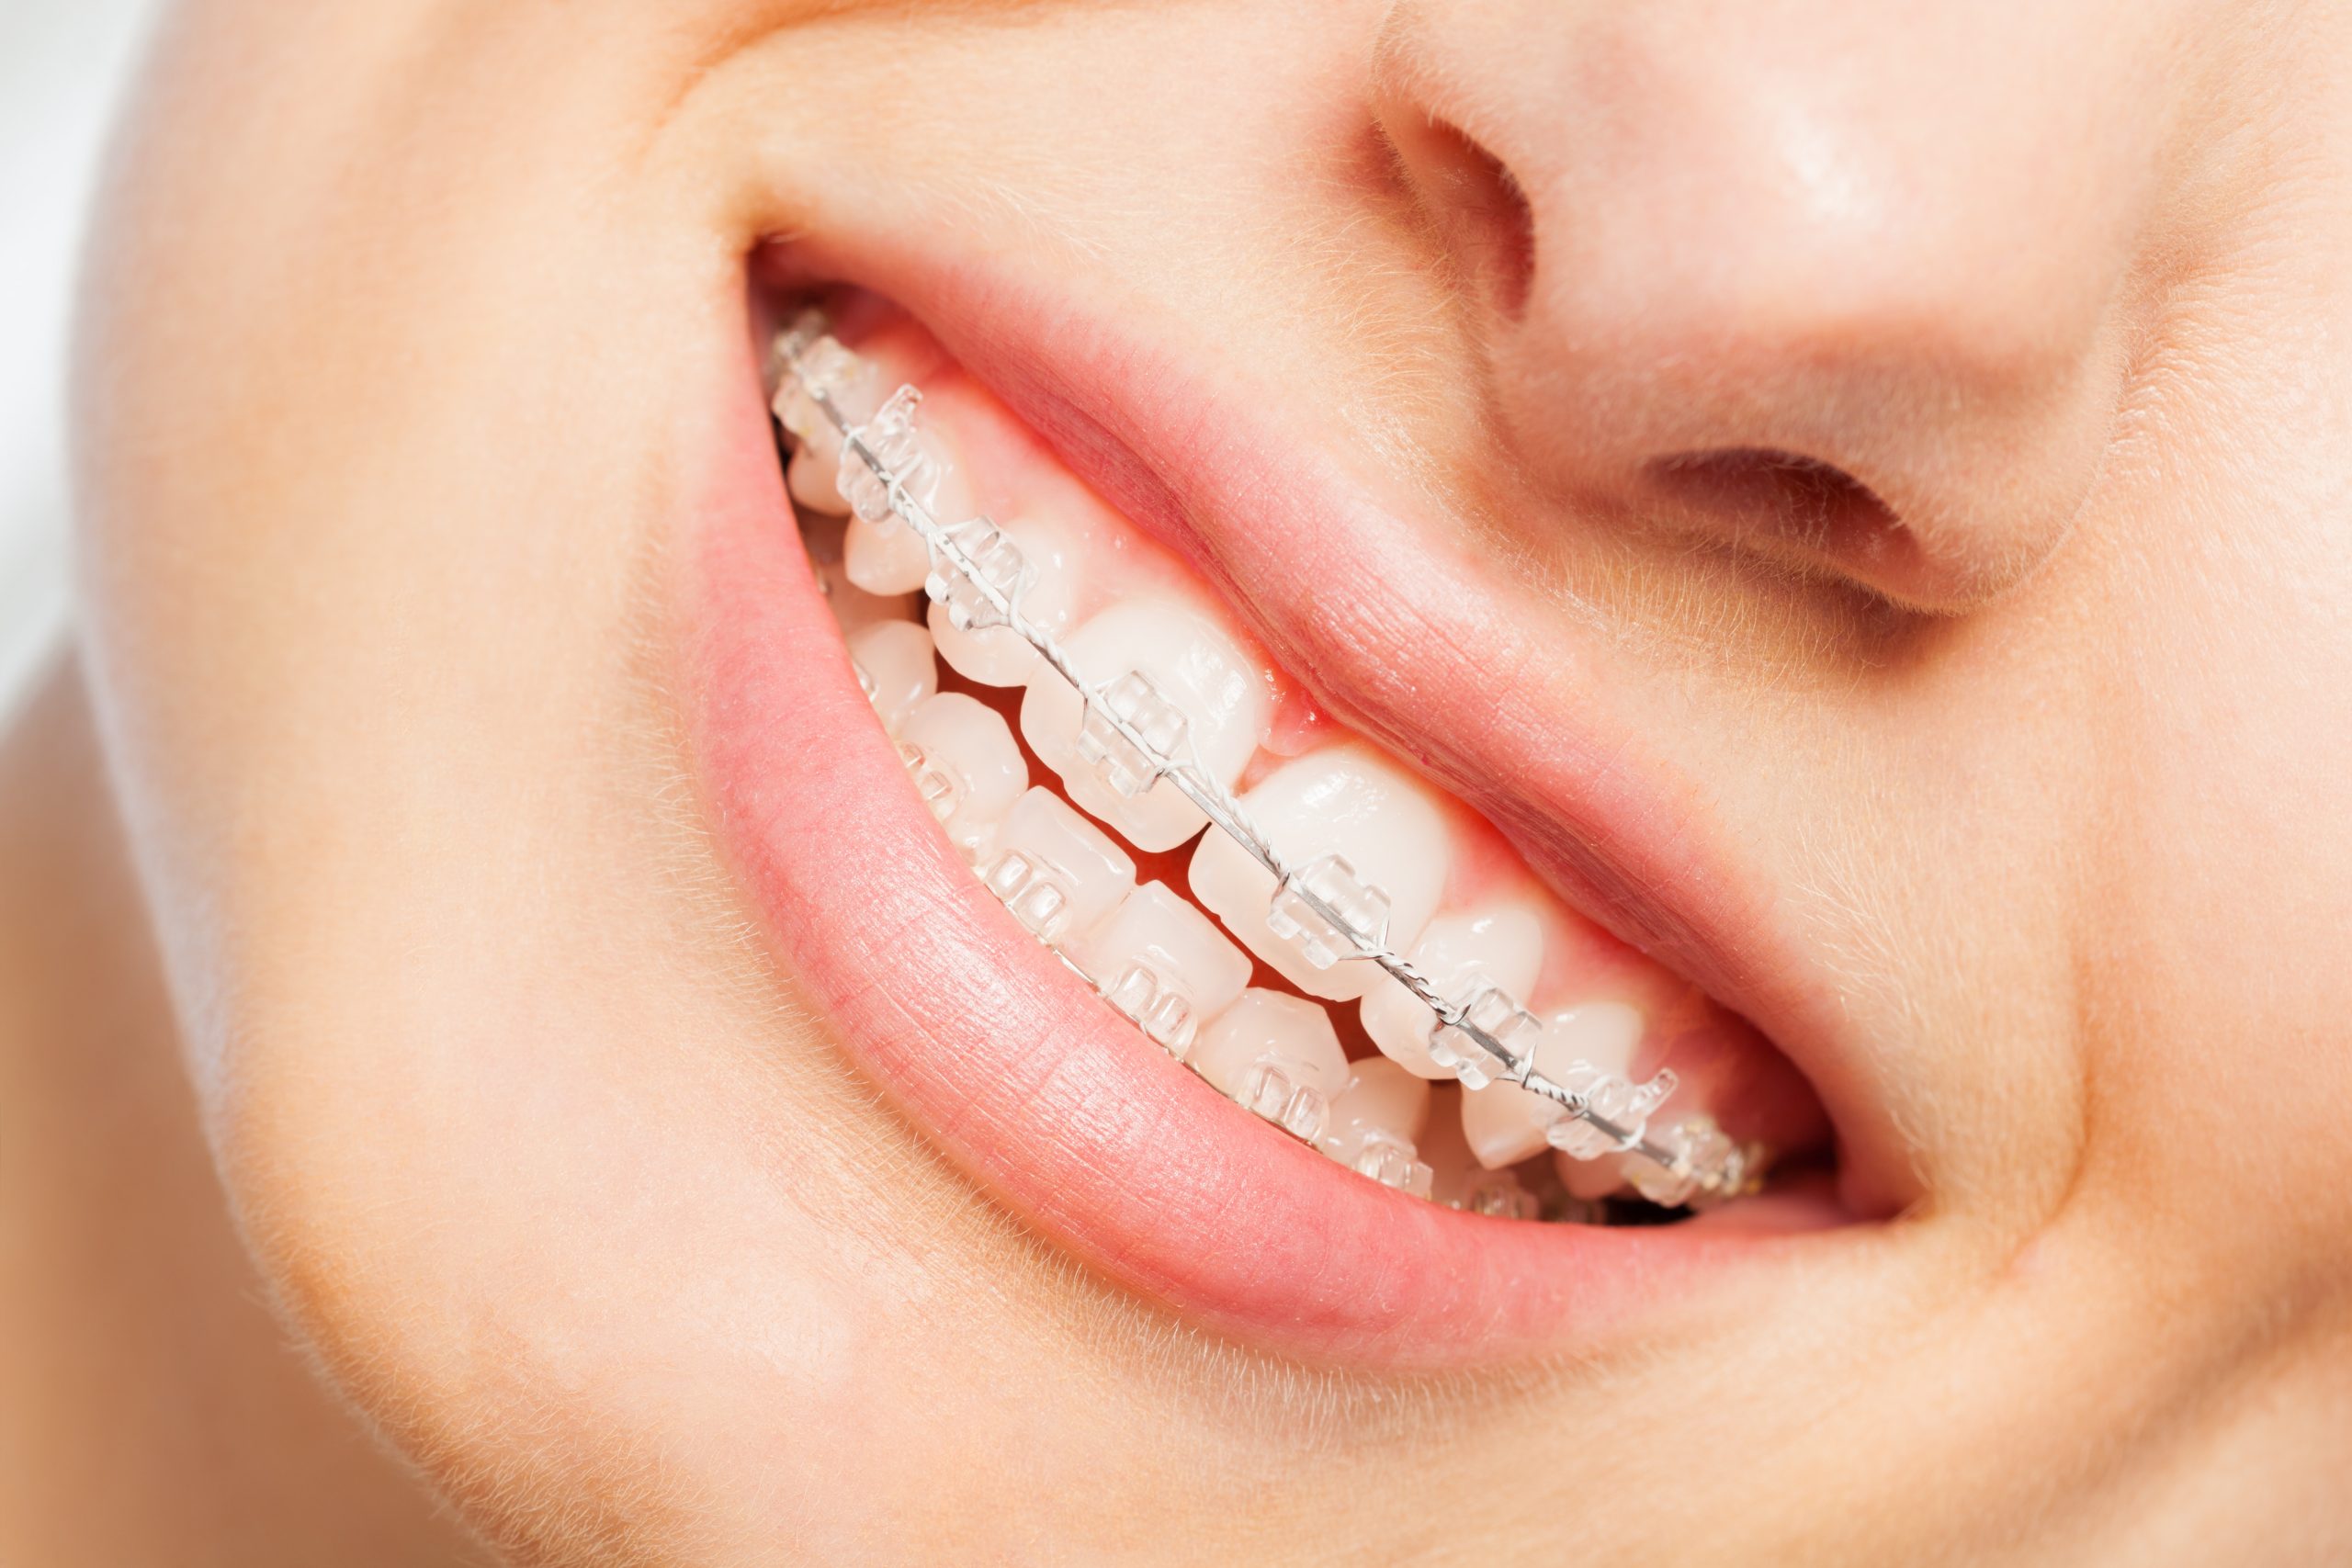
<point x="1837" y="313"/>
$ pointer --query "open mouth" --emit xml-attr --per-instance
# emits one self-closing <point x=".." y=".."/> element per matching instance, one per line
<point x="1044" y="948"/>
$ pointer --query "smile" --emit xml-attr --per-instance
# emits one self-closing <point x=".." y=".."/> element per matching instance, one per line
<point x="1080" y="827"/>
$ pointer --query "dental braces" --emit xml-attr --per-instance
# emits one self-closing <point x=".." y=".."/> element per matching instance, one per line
<point x="1134" y="737"/>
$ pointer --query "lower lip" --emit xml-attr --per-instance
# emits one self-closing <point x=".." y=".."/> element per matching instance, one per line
<point x="1028" y="1079"/>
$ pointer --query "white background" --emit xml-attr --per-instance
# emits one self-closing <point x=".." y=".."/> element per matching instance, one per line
<point x="62" y="65"/>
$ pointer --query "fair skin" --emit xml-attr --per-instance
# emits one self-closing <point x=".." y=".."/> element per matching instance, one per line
<point x="1988" y="761"/>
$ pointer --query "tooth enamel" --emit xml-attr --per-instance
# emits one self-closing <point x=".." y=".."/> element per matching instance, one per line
<point x="965" y="765"/>
<point x="1057" y="872"/>
<point x="1375" y="1122"/>
<point x="1342" y="801"/>
<point x="1165" y="965"/>
<point x="1191" y="663"/>
<point x="884" y="555"/>
<point x="1277" y="1055"/>
<point x="1456" y="1178"/>
<point x="853" y="384"/>
<point x="1505" y="1123"/>
<point x="895" y="667"/>
<point x="996" y="656"/>
<point x="810" y="478"/>
<point x="1503" y="946"/>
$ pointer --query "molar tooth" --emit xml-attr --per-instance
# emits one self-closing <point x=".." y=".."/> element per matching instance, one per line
<point x="1191" y="663"/>
<point x="1505" y="1123"/>
<point x="1342" y="801"/>
<point x="1279" y="1057"/>
<point x="1164" y="964"/>
<point x="965" y="765"/>
<point x="895" y="668"/>
<point x="1375" y="1122"/>
<point x="1056" y="872"/>
<point x="996" y="656"/>
<point x="1502" y="946"/>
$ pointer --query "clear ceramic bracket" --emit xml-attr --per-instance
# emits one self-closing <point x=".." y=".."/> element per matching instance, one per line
<point x="1691" y="1162"/>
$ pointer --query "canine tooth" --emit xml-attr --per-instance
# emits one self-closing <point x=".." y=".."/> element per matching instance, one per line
<point x="1191" y="663"/>
<point x="965" y="764"/>
<point x="1056" y="872"/>
<point x="1376" y="1124"/>
<point x="1503" y="946"/>
<point x="1277" y="1055"/>
<point x="1164" y="965"/>
<point x="895" y="667"/>
<point x="1505" y="1123"/>
<point x="996" y="656"/>
<point x="1343" y="801"/>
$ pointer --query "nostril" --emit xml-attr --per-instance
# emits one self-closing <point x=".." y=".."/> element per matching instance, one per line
<point x="1477" y="207"/>
<point x="1762" y="493"/>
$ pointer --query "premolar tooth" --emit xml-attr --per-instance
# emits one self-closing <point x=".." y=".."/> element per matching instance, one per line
<point x="1056" y="872"/>
<point x="883" y="553"/>
<point x="965" y="765"/>
<point x="1376" y="1123"/>
<point x="1191" y="663"/>
<point x="997" y="655"/>
<point x="1503" y="946"/>
<point x="852" y="607"/>
<point x="853" y="384"/>
<point x="1164" y="964"/>
<point x="1279" y="1057"/>
<point x="961" y="592"/>
<point x="1505" y="1123"/>
<point x="1341" y="801"/>
<point x="809" y="478"/>
<point x="895" y="668"/>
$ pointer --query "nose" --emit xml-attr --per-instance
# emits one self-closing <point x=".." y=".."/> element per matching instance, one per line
<point x="1845" y="284"/>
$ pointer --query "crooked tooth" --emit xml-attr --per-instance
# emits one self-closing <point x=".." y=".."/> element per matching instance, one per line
<point x="1343" y="802"/>
<point x="1277" y="1055"/>
<point x="965" y="764"/>
<point x="1197" y="685"/>
<point x="997" y="655"/>
<point x="1456" y="1178"/>
<point x="1505" y="1123"/>
<point x="1376" y="1123"/>
<point x="895" y="668"/>
<point x="1165" y="965"/>
<point x="1503" y="946"/>
<point x="1057" y="872"/>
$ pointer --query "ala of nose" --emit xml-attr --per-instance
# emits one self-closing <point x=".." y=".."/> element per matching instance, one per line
<point x="1833" y="285"/>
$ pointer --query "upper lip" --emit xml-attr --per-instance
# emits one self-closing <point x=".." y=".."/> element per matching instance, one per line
<point x="1012" y="1064"/>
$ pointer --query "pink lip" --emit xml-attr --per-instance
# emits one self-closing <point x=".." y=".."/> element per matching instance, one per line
<point x="1016" y="1067"/>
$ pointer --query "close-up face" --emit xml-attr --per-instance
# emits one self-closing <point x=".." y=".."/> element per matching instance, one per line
<point x="1577" y="795"/>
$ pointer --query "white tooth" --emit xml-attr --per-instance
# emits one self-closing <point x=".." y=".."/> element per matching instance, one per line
<point x="1506" y="1124"/>
<point x="1456" y="1178"/>
<point x="884" y="554"/>
<point x="1056" y="872"/>
<point x="895" y="666"/>
<point x="1340" y="800"/>
<point x="1503" y="946"/>
<point x="965" y="764"/>
<point x="997" y="655"/>
<point x="1164" y="965"/>
<point x="1195" y="667"/>
<point x="853" y="608"/>
<point x="809" y="478"/>
<point x="856" y="387"/>
<point x="1279" y="1057"/>
<point x="1376" y="1123"/>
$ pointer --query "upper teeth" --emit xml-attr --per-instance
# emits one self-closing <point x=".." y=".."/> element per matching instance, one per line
<point x="1150" y="709"/>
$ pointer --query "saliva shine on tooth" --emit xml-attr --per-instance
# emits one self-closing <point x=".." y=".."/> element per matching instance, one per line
<point x="977" y="574"/>
<point x="1132" y="705"/>
<point x="1157" y="1005"/>
<point x="1495" y="1019"/>
<point x="1353" y="919"/>
<point x="1272" y="1089"/>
